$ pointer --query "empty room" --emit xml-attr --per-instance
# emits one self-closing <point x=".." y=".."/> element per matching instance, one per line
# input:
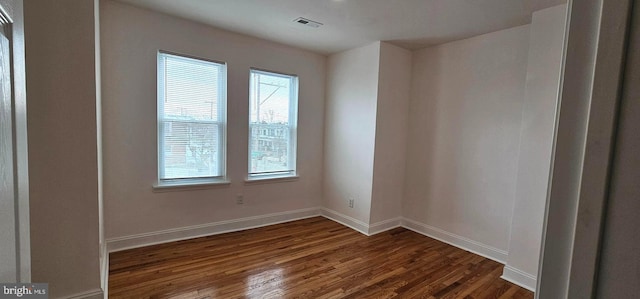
<point x="428" y="139"/>
<point x="318" y="148"/>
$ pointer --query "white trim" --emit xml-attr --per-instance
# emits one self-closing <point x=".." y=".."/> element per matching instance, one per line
<point x="105" y="270"/>
<point x="519" y="277"/>
<point x="269" y="179"/>
<point x="91" y="294"/>
<point x="292" y="125"/>
<point x="162" y="57"/>
<point x="476" y="247"/>
<point x="190" y="185"/>
<point x="214" y="228"/>
<point x="345" y="220"/>
<point x="385" y="225"/>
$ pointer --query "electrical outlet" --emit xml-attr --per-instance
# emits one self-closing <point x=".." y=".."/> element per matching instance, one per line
<point x="351" y="202"/>
<point x="239" y="199"/>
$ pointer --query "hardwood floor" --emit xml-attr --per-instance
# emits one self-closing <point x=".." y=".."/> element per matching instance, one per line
<point x="311" y="258"/>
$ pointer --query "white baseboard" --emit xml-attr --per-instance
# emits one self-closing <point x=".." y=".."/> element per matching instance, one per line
<point x="509" y="273"/>
<point x="519" y="277"/>
<point x="384" y="225"/>
<point x="345" y="220"/>
<point x="183" y="233"/>
<point x="92" y="294"/>
<point x="476" y="247"/>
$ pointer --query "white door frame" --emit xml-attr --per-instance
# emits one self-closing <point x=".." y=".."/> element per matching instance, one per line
<point x="585" y="129"/>
<point x="12" y="10"/>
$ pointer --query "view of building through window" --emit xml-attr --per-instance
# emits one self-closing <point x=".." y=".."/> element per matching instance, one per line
<point x="191" y="116"/>
<point x="272" y="123"/>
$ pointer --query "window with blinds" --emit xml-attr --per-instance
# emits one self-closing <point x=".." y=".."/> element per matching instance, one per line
<point x="273" y="114"/>
<point x="191" y="118"/>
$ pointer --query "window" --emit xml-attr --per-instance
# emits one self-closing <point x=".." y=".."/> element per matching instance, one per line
<point x="191" y="119"/>
<point x="273" y="114"/>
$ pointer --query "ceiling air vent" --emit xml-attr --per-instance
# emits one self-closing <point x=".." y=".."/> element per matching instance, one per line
<point x="308" y="22"/>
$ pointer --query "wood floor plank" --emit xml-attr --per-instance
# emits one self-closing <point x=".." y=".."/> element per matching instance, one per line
<point x="310" y="258"/>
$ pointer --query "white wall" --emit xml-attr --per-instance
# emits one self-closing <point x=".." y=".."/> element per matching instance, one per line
<point x="536" y="140"/>
<point x="462" y="157"/>
<point x="350" y="128"/>
<point x="131" y="38"/>
<point x="365" y="135"/>
<point x="62" y="136"/>
<point x="392" y="123"/>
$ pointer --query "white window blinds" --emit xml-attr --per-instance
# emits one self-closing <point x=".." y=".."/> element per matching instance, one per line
<point x="191" y="118"/>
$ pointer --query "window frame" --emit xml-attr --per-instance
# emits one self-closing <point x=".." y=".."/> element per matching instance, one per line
<point x="221" y="124"/>
<point x="292" y="125"/>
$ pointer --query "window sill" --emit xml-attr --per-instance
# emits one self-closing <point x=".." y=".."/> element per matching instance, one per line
<point x="270" y="179"/>
<point x="186" y="186"/>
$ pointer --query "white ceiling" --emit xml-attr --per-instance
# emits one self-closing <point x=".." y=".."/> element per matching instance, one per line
<point x="348" y="24"/>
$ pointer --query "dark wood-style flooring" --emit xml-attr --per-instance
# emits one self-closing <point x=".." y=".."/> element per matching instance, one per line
<point x="310" y="258"/>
